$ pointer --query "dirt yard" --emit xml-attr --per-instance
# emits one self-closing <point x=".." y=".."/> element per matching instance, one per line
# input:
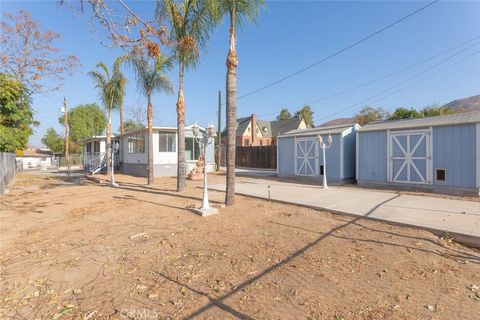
<point x="74" y="249"/>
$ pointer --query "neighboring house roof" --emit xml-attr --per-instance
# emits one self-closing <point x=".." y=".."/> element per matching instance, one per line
<point x="319" y="130"/>
<point x="267" y="128"/>
<point x="457" y="118"/>
<point x="339" y="122"/>
<point x="36" y="153"/>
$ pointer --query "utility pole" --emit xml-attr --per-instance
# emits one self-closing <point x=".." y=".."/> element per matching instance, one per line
<point x="219" y="134"/>
<point x="67" y="132"/>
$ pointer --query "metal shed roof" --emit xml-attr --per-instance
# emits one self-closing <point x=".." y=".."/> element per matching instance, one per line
<point x="318" y="130"/>
<point x="451" y="119"/>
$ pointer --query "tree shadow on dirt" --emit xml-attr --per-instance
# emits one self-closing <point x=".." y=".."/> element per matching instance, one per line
<point x="286" y="260"/>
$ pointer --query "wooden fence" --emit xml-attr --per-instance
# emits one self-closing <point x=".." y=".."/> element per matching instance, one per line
<point x="264" y="157"/>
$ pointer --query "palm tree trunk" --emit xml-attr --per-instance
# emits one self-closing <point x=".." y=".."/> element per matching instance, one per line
<point x="109" y="144"/>
<point x="232" y="63"/>
<point x="121" y="119"/>
<point x="151" y="175"/>
<point x="181" y="181"/>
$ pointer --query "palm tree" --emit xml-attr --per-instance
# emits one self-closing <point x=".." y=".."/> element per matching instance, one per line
<point x="237" y="11"/>
<point x="151" y="78"/>
<point x="190" y="23"/>
<point x="111" y="88"/>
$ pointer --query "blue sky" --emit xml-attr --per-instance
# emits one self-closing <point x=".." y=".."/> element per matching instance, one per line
<point x="288" y="36"/>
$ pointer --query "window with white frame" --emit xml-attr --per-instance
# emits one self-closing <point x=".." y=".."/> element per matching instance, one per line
<point x="136" y="143"/>
<point x="167" y="142"/>
<point x="192" y="149"/>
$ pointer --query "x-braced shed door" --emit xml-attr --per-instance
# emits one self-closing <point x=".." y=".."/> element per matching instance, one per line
<point x="306" y="157"/>
<point x="410" y="157"/>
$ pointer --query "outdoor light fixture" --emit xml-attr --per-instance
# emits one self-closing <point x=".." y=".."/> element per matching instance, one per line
<point x="324" y="146"/>
<point x="205" y="138"/>
<point x="116" y="147"/>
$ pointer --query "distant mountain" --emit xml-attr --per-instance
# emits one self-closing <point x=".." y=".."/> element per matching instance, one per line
<point x="466" y="104"/>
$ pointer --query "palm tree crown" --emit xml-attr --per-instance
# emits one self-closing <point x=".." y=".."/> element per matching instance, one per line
<point x="111" y="87"/>
<point x="190" y="24"/>
<point x="150" y="73"/>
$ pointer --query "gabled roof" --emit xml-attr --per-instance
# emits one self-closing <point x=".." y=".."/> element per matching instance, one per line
<point x="457" y="118"/>
<point x="320" y="130"/>
<point x="339" y="122"/>
<point x="267" y="128"/>
<point x="36" y="153"/>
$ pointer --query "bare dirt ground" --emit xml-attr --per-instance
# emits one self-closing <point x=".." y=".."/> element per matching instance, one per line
<point x="73" y="249"/>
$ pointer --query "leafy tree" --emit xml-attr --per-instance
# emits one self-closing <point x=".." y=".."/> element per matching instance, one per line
<point x="236" y="11"/>
<point x="132" y="125"/>
<point x="29" y="55"/>
<point x="435" y="110"/>
<point x="306" y="114"/>
<point x="190" y="24"/>
<point x="111" y="89"/>
<point x="284" y="114"/>
<point x="16" y="115"/>
<point x="369" y="114"/>
<point x="151" y="78"/>
<point x="403" y="113"/>
<point x="54" y="141"/>
<point x="84" y="121"/>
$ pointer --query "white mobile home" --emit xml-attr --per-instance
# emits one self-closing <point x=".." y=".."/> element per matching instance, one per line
<point x="132" y="155"/>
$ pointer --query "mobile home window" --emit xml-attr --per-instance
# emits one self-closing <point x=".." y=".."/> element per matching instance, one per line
<point x="167" y="142"/>
<point x="136" y="143"/>
<point x="192" y="149"/>
<point x="96" y="146"/>
<point x="89" y="147"/>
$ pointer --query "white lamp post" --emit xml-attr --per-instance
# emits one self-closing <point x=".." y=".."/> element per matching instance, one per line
<point x="115" y="148"/>
<point x="324" y="146"/>
<point x="205" y="138"/>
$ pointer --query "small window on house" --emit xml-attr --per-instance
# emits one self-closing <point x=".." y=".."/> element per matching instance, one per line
<point x="167" y="142"/>
<point x="321" y="169"/>
<point x="441" y="174"/>
<point x="261" y="143"/>
<point x="246" y="142"/>
<point x="136" y="143"/>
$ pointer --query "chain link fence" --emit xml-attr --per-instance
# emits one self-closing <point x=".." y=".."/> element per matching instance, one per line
<point x="7" y="170"/>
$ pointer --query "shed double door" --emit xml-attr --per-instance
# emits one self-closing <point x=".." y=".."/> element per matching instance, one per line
<point x="306" y="157"/>
<point x="410" y="158"/>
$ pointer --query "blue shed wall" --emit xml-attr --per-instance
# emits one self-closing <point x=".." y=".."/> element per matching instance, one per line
<point x="454" y="149"/>
<point x="349" y="143"/>
<point x="372" y="156"/>
<point x="333" y="157"/>
<point x="286" y="154"/>
<point x="286" y="157"/>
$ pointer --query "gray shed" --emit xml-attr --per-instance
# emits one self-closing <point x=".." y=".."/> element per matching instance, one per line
<point x="439" y="154"/>
<point x="299" y="154"/>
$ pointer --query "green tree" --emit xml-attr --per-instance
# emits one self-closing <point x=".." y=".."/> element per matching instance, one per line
<point x="237" y="11"/>
<point x="306" y="114"/>
<point x="53" y="141"/>
<point x="403" y="113"/>
<point x="84" y="121"/>
<point x="369" y="114"/>
<point x="111" y="89"/>
<point x="284" y="114"/>
<point x="16" y="115"/>
<point x="151" y="77"/>
<point x="132" y="125"/>
<point x="435" y="110"/>
<point x="190" y="23"/>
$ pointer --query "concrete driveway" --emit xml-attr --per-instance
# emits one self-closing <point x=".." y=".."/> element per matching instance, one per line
<point x="459" y="218"/>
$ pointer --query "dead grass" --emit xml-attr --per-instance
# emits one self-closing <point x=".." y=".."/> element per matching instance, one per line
<point x="67" y="252"/>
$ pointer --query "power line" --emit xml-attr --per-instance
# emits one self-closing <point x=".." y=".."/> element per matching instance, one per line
<point x="401" y="89"/>
<point x="298" y="107"/>
<point x="338" y="51"/>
